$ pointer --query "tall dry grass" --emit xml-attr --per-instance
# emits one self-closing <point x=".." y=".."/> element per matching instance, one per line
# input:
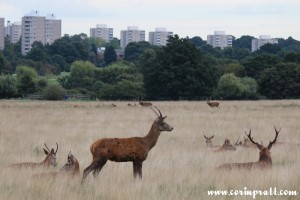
<point x="179" y="167"/>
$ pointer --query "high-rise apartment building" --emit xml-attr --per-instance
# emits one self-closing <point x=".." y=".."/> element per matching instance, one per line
<point x="132" y="34"/>
<point x="101" y="31"/>
<point x="14" y="31"/>
<point x="263" y="39"/>
<point x="219" y="39"/>
<point x="39" y="28"/>
<point x="2" y="33"/>
<point x="159" y="36"/>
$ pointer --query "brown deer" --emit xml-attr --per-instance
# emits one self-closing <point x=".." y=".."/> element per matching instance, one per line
<point x="71" y="168"/>
<point x="144" y="103"/>
<point x="212" y="104"/>
<point x="134" y="149"/>
<point x="49" y="160"/>
<point x="208" y="140"/>
<point x="227" y="146"/>
<point x="265" y="160"/>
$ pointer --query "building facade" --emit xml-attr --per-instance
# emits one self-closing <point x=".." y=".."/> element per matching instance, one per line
<point x="101" y="31"/>
<point x="159" y="37"/>
<point x="132" y="34"/>
<point x="2" y="34"/>
<point x="262" y="40"/>
<point x="219" y="39"/>
<point x="39" y="28"/>
<point x="14" y="31"/>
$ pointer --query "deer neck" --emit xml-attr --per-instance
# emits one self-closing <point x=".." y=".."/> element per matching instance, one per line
<point x="45" y="162"/>
<point x="152" y="137"/>
<point x="265" y="158"/>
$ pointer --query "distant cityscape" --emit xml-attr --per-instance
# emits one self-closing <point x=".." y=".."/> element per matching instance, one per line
<point x="46" y="29"/>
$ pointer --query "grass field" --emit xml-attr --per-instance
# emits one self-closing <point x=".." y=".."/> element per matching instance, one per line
<point x="180" y="166"/>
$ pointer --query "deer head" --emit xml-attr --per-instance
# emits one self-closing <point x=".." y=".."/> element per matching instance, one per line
<point x="161" y="125"/>
<point x="265" y="154"/>
<point x="208" y="140"/>
<point x="71" y="164"/>
<point x="51" y="155"/>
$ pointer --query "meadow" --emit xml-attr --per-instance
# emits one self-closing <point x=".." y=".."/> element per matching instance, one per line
<point x="180" y="166"/>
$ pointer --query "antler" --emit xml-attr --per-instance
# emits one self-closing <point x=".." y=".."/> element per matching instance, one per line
<point x="160" y="115"/>
<point x="154" y="111"/>
<point x="251" y="139"/>
<point x="46" y="147"/>
<point x="271" y="143"/>
<point x="56" y="148"/>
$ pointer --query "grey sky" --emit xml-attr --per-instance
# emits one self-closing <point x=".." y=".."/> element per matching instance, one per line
<point x="186" y="18"/>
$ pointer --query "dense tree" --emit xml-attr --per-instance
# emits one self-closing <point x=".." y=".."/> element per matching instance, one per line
<point x="8" y="86"/>
<point x="37" y="52"/>
<point x="26" y="79"/>
<point x="82" y="74"/>
<point x="243" y="42"/>
<point x="110" y="55"/>
<point x="197" y="41"/>
<point x="280" y="81"/>
<point x="54" y="92"/>
<point x="229" y="87"/>
<point x="177" y="71"/>
<point x="270" y="48"/>
<point x="255" y="65"/>
<point x="1" y="62"/>
<point x="134" y="49"/>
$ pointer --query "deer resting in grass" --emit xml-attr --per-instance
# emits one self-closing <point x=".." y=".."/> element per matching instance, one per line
<point x="208" y="140"/>
<point x="265" y="160"/>
<point x="71" y="168"/>
<point x="144" y="103"/>
<point x="227" y="146"/>
<point x="134" y="149"/>
<point x="49" y="160"/>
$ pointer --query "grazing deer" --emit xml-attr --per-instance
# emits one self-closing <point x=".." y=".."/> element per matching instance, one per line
<point x="49" y="160"/>
<point x="143" y="103"/>
<point x="265" y="160"/>
<point x="71" y="168"/>
<point x="212" y="104"/>
<point x="208" y="140"/>
<point x="134" y="149"/>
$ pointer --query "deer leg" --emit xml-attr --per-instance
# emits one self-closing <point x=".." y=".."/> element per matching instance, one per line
<point x="93" y="166"/>
<point x="137" y="169"/>
<point x="100" y="163"/>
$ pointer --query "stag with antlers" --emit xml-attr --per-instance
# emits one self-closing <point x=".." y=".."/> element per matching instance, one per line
<point x="47" y="162"/>
<point x="134" y="149"/>
<point x="265" y="160"/>
<point x="208" y="140"/>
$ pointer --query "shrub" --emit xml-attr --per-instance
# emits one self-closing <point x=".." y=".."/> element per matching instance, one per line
<point x="54" y="92"/>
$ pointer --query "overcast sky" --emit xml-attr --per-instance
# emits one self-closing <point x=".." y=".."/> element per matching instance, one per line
<point x="277" y="18"/>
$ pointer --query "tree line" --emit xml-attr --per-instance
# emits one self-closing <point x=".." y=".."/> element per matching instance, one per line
<point x="184" y="69"/>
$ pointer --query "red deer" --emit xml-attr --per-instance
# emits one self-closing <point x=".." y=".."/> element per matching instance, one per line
<point x="134" y="149"/>
<point x="208" y="140"/>
<point x="227" y="146"/>
<point x="265" y="160"/>
<point x="143" y="103"/>
<point x="71" y="168"/>
<point x="49" y="160"/>
<point x="212" y="104"/>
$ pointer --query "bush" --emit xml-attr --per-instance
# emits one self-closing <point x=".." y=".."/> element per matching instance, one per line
<point x="54" y="92"/>
<point x="8" y="86"/>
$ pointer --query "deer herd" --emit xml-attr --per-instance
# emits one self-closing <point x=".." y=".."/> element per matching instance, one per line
<point x="136" y="150"/>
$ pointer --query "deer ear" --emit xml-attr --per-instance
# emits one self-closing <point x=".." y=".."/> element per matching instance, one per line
<point x="52" y="151"/>
<point x="46" y="152"/>
<point x="164" y="117"/>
